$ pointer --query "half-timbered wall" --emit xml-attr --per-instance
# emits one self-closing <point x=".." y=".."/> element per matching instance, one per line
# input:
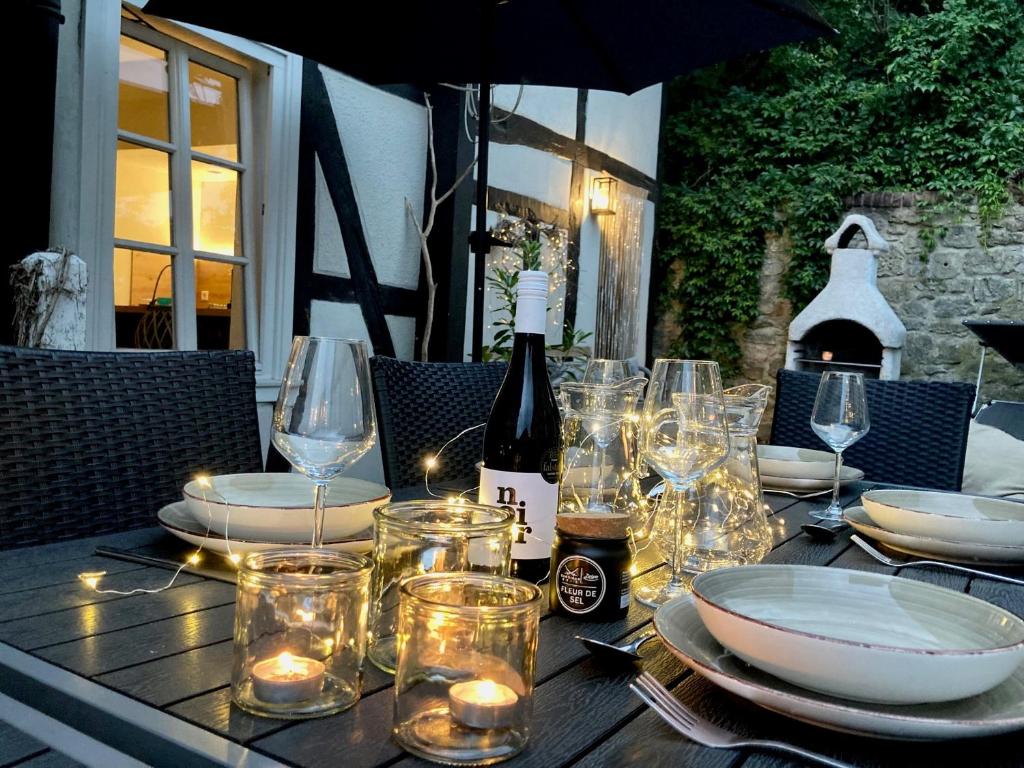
<point x="544" y="158"/>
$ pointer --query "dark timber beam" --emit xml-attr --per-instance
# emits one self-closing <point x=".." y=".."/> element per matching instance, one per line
<point x="576" y="193"/>
<point x="522" y="131"/>
<point x="523" y="207"/>
<point x="449" y="251"/>
<point x="404" y="302"/>
<point x="305" y="227"/>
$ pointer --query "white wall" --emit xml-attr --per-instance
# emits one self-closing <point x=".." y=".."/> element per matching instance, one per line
<point x="385" y="141"/>
<point x="626" y="127"/>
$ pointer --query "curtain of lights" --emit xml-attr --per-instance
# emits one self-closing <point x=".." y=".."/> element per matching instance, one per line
<point x="618" y="281"/>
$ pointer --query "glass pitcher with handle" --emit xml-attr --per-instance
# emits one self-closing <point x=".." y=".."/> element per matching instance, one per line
<point x="729" y="526"/>
<point x="601" y="468"/>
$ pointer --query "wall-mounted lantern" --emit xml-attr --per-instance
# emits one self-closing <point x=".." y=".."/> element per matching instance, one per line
<point x="602" y="195"/>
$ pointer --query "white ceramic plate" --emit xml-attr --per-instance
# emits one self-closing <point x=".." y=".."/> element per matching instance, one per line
<point x="800" y="463"/>
<point x="858" y="634"/>
<point x="999" y="710"/>
<point x="177" y="519"/>
<point x="936" y="549"/>
<point x="950" y="516"/>
<point x="278" y="506"/>
<point x="846" y="475"/>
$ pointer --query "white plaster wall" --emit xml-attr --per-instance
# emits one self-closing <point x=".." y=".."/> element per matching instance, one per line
<point x="552" y="107"/>
<point x="385" y="144"/>
<point x="329" y="257"/>
<point x="530" y="172"/>
<point x="626" y="127"/>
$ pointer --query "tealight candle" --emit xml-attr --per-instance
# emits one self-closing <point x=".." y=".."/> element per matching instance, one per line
<point x="286" y="679"/>
<point x="483" y="704"/>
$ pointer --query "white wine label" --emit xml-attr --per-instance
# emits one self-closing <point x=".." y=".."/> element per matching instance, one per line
<point x="533" y="501"/>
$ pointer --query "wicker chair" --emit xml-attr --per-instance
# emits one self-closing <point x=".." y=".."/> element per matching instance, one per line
<point x="97" y="442"/>
<point x="918" y="430"/>
<point x="420" y="406"/>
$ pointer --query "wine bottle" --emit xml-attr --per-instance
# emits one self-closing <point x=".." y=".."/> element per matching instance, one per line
<point x="522" y="440"/>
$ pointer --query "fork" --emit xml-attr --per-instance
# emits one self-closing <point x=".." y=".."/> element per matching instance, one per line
<point x="810" y="495"/>
<point x="697" y="729"/>
<point x="899" y="564"/>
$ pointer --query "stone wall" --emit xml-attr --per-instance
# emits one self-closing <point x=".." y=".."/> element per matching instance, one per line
<point x="932" y="293"/>
<point x="962" y="278"/>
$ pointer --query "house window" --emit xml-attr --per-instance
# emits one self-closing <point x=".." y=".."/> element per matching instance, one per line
<point x="183" y="250"/>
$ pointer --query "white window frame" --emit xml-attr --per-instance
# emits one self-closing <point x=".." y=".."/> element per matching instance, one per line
<point x="276" y="89"/>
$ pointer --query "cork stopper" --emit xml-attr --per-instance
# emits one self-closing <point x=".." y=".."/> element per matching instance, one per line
<point x="594" y="525"/>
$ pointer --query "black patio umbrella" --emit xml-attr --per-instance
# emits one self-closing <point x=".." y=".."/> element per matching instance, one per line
<point x="615" y="45"/>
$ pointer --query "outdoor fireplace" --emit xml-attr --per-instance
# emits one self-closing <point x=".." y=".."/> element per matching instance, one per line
<point x="849" y="325"/>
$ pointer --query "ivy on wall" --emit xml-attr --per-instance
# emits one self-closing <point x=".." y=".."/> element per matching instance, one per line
<point x="920" y="95"/>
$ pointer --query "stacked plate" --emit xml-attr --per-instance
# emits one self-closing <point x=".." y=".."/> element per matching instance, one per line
<point x="784" y="468"/>
<point x="853" y="651"/>
<point x="244" y="513"/>
<point x="943" y="526"/>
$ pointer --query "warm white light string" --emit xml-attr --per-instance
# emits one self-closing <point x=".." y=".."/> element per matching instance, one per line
<point x="91" y="579"/>
<point x="430" y="463"/>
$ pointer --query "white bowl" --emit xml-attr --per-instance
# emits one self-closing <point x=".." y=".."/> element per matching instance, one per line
<point x="860" y="635"/>
<point x="998" y="710"/>
<point x="177" y="520"/>
<point x="950" y="516"/>
<point x="278" y="506"/>
<point x="937" y="549"/>
<point x="800" y="463"/>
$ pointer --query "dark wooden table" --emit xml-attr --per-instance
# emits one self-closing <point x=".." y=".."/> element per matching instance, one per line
<point x="148" y="675"/>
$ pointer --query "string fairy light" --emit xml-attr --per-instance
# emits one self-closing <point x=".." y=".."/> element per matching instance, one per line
<point x="432" y="462"/>
<point x="91" y="579"/>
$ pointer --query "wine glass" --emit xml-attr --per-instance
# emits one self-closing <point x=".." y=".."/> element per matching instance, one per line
<point x="324" y="419"/>
<point x="684" y="436"/>
<point x="600" y="371"/>
<point x="840" y="418"/>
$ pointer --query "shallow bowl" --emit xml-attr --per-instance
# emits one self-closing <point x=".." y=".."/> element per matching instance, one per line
<point x="278" y="506"/>
<point x="860" y="635"/>
<point x="950" y="516"/>
<point x="798" y="463"/>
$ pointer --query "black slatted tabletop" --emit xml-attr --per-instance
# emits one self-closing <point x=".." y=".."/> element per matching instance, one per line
<point x="167" y="658"/>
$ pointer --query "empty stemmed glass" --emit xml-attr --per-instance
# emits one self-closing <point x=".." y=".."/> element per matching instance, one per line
<point x="684" y="436"/>
<point x="600" y="371"/>
<point x="324" y="419"/>
<point x="840" y="418"/>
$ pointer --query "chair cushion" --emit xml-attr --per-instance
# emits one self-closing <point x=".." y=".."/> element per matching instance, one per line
<point x="994" y="464"/>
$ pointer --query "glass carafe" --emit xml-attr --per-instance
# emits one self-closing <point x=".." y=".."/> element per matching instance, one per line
<point x="729" y="526"/>
<point x="601" y="469"/>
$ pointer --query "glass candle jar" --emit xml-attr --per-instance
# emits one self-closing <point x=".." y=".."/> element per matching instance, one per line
<point x="300" y="632"/>
<point x="467" y="647"/>
<point x="416" y="537"/>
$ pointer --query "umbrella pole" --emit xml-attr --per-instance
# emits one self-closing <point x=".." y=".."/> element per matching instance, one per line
<point x="481" y="240"/>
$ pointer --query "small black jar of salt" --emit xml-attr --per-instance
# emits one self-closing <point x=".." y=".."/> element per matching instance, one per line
<point x="590" y="566"/>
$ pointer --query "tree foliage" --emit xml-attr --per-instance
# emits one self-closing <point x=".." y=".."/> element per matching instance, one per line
<point x="911" y="95"/>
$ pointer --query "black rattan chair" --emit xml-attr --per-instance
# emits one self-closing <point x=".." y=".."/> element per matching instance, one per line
<point x="96" y="442"/>
<point x="420" y="406"/>
<point x="918" y="430"/>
